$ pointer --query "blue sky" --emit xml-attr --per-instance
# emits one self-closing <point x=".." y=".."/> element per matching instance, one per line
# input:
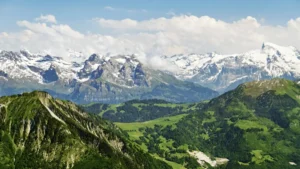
<point x="78" y="13"/>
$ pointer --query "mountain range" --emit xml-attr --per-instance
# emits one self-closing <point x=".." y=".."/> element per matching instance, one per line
<point x="225" y="72"/>
<point x="100" y="78"/>
<point x="115" y="79"/>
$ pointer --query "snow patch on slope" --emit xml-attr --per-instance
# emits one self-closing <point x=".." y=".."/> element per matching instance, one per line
<point x="121" y="60"/>
<point x="203" y="158"/>
<point x="52" y="113"/>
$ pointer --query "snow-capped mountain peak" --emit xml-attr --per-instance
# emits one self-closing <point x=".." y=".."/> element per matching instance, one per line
<point x="26" y="53"/>
<point x="272" y="49"/>
<point x="120" y="69"/>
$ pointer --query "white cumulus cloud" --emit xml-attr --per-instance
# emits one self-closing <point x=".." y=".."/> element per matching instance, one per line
<point x="151" y="38"/>
<point x="192" y="34"/>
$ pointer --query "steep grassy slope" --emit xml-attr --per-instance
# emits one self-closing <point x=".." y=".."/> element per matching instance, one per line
<point x="255" y="126"/>
<point x="37" y="131"/>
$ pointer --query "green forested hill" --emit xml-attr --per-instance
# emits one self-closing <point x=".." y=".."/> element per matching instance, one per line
<point x="255" y="126"/>
<point x="37" y="131"/>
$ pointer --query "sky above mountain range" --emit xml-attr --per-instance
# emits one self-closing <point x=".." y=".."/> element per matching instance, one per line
<point x="147" y="28"/>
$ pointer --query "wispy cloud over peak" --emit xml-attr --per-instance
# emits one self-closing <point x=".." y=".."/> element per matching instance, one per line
<point x="47" y="18"/>
<point x="109" y="8"/>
